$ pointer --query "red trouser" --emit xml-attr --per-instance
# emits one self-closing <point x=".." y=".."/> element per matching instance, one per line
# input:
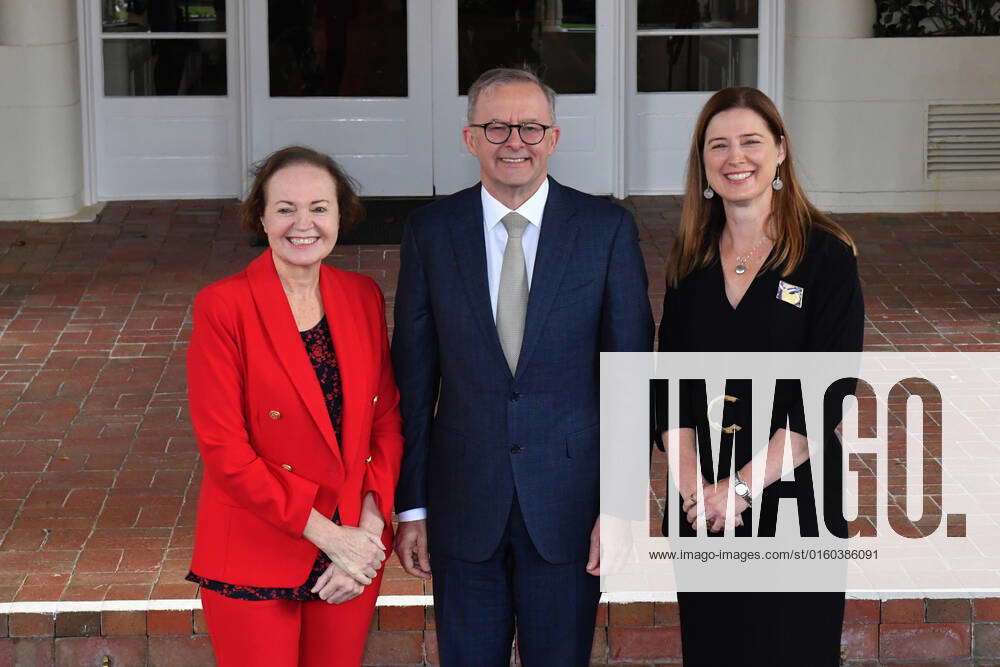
<point x="289" y="633"/>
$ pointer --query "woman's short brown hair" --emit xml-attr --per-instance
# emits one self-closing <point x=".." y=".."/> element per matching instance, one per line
<point x="348" y="203"/>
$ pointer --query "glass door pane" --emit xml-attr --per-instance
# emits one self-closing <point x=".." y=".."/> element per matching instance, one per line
<point x="318" y="48"/>
<point x="151" y="67"/>
<point x="678" y="14"/>
<point x="706" y="62"/>
<point x="556" y="38"/>
<point x="163" y="15"/>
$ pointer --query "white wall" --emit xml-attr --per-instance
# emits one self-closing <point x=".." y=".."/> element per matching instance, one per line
<point x="41" y="163"/>
<point x="856" y="107"/>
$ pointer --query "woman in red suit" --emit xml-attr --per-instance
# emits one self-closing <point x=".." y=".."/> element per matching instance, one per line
<point x="296" y="414"/>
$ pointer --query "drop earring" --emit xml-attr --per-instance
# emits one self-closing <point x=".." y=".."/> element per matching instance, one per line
<point x="777" y="183"/>
<point x="708" y="193"/>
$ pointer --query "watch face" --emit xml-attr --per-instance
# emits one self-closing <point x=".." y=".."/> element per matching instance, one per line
<point x="742" y="489"/>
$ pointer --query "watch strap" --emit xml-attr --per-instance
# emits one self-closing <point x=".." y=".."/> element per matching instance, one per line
<point x="747" y="496"/>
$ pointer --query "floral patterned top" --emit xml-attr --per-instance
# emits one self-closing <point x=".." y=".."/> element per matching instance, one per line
<point x="319" y="346"/>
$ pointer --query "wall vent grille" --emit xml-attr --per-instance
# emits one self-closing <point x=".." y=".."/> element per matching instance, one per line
<point x="963" y="140"/>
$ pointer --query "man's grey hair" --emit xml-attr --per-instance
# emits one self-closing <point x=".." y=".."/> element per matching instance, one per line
<point x="501" y="76"/>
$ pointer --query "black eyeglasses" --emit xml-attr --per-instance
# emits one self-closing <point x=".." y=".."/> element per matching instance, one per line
<point x="497" y="132"/>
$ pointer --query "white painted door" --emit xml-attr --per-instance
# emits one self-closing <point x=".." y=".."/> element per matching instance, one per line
<point x="352" y="79"/>
<point x="183" y="106"/>
<point x="678" y="55"/>
<point x="574" y="43"/>
<point x="165" y="88"/>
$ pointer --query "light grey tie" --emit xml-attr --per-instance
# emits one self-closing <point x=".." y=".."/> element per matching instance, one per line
<point x="512" y="299"/>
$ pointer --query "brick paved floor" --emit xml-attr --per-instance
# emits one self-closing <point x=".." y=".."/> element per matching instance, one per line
<point x="98" y="466"/>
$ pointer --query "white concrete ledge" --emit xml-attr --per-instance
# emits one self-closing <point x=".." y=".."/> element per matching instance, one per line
<point x="59" y="607"/>
<point x="919" y="201"/>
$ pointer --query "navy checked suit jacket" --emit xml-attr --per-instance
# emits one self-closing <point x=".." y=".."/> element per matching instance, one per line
<point x="474" y="431"/>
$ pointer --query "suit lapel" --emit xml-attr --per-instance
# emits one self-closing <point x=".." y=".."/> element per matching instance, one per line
<point x="469" y="241"/>
<point x="279" y="325"/>
<point x="555" y="242"/>
<point x="343" y="313"/>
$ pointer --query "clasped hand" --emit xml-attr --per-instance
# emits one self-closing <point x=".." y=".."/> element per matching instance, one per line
<point x="357" y="548"/>
<point x="356" y="551"/>
<point x="336" y="586"/>
<point x="716" y="497"/>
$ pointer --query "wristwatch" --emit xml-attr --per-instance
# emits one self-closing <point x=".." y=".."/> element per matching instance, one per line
<point x="741" y="488"/>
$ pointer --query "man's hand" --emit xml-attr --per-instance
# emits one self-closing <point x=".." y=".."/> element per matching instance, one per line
<point x="336" y="586"/>
<point x="411" y="547"/>
<point x="594" y="561"/>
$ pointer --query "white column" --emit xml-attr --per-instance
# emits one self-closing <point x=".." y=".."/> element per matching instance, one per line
<point x="41" y="163"/>
<point x="823" y="18"/>
<point x="821" y="105"/>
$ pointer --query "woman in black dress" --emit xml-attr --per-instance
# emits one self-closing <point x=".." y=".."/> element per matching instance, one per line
<point x="755" y="268"/>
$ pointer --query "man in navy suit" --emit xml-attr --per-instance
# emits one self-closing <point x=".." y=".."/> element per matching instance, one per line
<point x="508" y="292"/>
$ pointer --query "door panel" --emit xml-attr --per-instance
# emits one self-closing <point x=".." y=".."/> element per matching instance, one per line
<point x="165" y="99"/>
<point x="677" y="59"/>
<point x="585" y="157"/>
<point x="334" y="76"/>
<point x="184" y="100"/>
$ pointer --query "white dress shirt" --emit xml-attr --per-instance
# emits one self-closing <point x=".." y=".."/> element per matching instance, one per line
<point x="496" y="235"/>
<point x="496" y="242"/>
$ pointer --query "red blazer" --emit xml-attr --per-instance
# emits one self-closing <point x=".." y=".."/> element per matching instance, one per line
<point x="268" y="447"/>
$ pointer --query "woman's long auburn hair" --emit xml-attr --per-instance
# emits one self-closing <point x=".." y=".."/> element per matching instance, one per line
<point x="702" y="220"/>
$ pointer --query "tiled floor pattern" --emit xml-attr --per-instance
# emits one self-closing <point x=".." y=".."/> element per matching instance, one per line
<point x="99" y="471"/>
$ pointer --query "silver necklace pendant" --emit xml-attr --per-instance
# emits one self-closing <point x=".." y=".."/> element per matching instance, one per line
<point x="741" y="261"/>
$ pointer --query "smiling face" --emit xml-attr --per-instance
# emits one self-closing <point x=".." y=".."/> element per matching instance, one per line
<point x="513" y="170"/>
<point x="301" y="218"/>
<point x="741" y="156"/>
